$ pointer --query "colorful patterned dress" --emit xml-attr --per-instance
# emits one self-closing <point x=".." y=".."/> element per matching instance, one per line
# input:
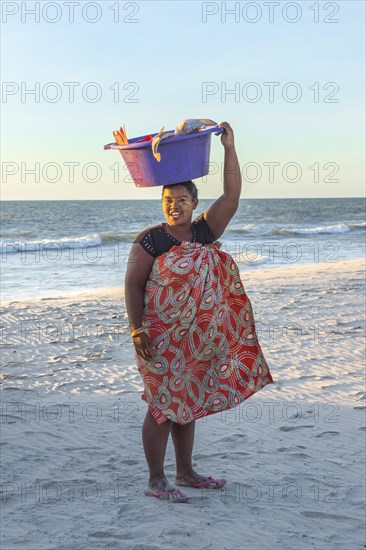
<point x="207" y="357"/>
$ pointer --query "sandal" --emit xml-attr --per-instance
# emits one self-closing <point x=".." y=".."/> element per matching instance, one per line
<point x="164" y="495"/>
<point x="208" y="483"/>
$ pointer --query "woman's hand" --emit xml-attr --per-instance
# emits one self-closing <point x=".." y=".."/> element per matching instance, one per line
<point x="143" y="346"/>
<point x="227" y="137"/>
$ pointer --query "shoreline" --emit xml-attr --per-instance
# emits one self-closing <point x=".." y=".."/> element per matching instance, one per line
<point x="267" y="274"/>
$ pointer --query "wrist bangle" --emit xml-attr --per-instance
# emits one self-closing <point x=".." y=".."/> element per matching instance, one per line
<point x="135" y="334"/>
<point x="137" y="331"/>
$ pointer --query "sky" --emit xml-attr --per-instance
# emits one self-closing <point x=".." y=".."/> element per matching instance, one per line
<point x="287" y="76"/>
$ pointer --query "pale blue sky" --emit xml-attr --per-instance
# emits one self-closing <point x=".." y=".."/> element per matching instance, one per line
<point x="168" y="54"/>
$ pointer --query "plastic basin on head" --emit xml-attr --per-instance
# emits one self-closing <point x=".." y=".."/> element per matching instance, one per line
<point x="182" y="158"/>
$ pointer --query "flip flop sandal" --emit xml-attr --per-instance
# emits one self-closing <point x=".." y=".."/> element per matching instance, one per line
<point x="164" y="495"/>
<point x="208" y="483"/>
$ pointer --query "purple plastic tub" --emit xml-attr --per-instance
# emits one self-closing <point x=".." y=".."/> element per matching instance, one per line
<point x="182" y="158"/>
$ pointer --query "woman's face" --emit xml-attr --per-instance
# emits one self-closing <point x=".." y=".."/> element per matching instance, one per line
<point x="178" y="205"/>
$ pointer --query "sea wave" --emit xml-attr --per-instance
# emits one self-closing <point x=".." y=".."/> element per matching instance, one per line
<point x="87" y="241"/>
<point x="250" y="259"/>
<point x="318" y="229"/>
<point x="110" y="239"/>
<point x="357" y="225"/>
<point x="270" y="230"/>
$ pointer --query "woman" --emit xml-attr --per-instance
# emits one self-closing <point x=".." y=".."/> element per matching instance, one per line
<point x="192" y="325"/>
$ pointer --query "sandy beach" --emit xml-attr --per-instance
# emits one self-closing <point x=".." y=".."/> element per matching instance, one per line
<point x="73" y="468"/>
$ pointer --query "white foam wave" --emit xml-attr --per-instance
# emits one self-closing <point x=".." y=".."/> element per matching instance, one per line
<point x="286" y="229"/>
<point x="250" y="259"/>
<point x="357" y="225"/>
<point x="57" y="244"/>
<point x="315" y="230"/>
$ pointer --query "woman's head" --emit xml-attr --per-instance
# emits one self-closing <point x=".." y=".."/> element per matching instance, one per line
<point x="179" y="201"/>
<point x="189" y="185"/>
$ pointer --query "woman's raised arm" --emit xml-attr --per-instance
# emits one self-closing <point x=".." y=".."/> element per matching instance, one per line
<point x="223" y="209"/>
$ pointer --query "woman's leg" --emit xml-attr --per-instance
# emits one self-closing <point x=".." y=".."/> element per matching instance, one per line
<point x="183" y="439"/>
<point x="155" y="439"/>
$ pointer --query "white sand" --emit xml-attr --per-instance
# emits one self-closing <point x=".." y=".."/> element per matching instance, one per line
<point x="73" y="468"/>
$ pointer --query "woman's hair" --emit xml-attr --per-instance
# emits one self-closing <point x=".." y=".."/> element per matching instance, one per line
<point x="189" y="185"/>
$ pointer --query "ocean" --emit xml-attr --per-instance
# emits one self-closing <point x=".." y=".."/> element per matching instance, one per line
<point x="49" y="248"/>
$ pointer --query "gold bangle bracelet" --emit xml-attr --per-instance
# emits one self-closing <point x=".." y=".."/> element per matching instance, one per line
<point x="137" y="331"/>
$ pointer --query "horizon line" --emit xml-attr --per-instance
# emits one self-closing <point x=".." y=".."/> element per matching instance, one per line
<point x="201" y="198"/>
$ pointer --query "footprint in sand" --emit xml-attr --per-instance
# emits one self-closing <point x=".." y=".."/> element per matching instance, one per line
<point x="104" y="535"/>
<point x="291" y="428"/>
<point x="90" y="450"/>
<point x="327" y="433"/>
<point x="231" y="438"/>
<point x="300" y="455"/>
<point x="322" y="515"/>
<point x="355" y="496"/>
<point x="200" y="456"/>
<point x="285" y="449"/>
<point x="100" y="466"/>
<point x="224" y="456"/>
<point x="9" y="419"/>
<point x="48" y="434"/>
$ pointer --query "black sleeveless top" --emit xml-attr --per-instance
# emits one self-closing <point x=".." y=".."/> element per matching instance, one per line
<point x="156" y="240"/>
